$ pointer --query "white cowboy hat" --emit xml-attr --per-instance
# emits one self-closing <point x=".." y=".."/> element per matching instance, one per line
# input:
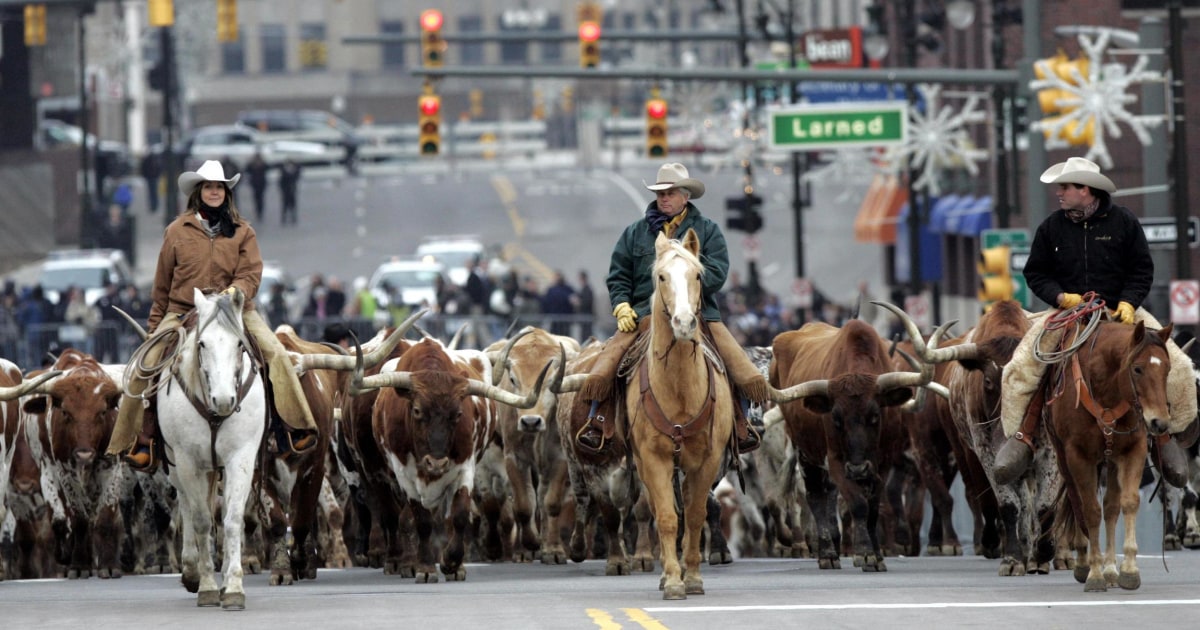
<point x="210" y="171"/>
<point x="1077" y="170"/>
<point x="675" y="175"/>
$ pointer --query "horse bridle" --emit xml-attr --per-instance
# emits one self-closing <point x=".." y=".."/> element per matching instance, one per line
<point x="1106" y="418"/>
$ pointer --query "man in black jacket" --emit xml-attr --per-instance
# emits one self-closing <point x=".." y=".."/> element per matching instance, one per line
<point x="1092" y="245"/>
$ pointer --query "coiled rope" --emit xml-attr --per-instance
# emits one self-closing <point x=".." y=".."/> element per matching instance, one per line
<point x="137" y="368"/>
<point x="1092" y="307"/>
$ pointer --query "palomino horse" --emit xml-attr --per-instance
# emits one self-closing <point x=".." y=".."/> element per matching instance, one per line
<point x="1115" y="391"/>
<point x="680" y="412"/>
<point x="212" y="411"/>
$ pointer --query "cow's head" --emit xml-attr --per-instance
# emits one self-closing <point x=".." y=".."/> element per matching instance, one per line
<point x="82" y="406"/>
<point x="440" y="414"/>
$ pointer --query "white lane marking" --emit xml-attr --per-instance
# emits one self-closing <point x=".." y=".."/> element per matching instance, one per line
<point x="639" y="199"/>
<point x="1144" y="602"/>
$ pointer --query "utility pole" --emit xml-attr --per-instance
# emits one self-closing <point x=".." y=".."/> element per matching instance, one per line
<point x="908" y="22"/>
<point x="1179" y="162"/>
<point x="170" y="167"/>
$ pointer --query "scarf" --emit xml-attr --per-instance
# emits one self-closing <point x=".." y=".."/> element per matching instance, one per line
<point x="218" y="218"/>
<point x="655" y="219"/>
<point x="1079" y="215"/>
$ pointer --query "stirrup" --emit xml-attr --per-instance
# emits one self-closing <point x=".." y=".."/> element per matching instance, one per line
<point x="141" y="458"/>
<point x="585" y="438"/>
<point x="297" y="441"/>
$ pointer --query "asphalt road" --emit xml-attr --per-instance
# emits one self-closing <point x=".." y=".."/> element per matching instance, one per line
<point x="915" y="593"/>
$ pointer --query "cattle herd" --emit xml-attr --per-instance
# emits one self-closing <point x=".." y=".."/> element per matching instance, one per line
<point x="432" y="456"/>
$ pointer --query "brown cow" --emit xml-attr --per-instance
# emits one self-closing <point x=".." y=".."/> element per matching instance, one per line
<point x="974" y="383"/>
<point x="293" y="482"/>
<point x="848" y="386"/>
<point x="432" y="422"/>
<point x="530" y="441"/>
<point x="68" y="434"/>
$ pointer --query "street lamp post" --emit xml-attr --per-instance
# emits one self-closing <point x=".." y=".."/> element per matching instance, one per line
<point x="908" y="21"/>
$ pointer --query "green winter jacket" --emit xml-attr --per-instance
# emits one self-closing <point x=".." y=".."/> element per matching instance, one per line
<point x="629" y="273"/>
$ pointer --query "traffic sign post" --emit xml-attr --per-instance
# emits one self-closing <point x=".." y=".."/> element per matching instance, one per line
<point x="838" y="126"/>
<point x="1162" y="234"/>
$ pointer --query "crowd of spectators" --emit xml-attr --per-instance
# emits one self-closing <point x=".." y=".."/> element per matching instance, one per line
<point x="32" y="326"/>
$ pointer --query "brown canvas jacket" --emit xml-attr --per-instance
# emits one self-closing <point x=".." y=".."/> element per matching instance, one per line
<point x="190" y="259"/>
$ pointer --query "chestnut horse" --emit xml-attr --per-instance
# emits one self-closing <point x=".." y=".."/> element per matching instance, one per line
<point x="680" y="413"/>
<point x="1114" y="392"/>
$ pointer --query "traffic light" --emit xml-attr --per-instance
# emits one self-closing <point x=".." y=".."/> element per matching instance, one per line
<point x="743" y="213"/>
<point x="433" y="47"/>
<point x="35" y="25"/>
<point x="1056" y="102"/>
<point x="995" y="274"/>
<point x="161" y="12"/>
<point x="429" y="123"/>
<point x="656" y="128"/>
<point x="227" y="21"/>
<point x="589" y="35"/>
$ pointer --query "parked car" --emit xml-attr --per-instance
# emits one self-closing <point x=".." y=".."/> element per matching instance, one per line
<point x="339" y="138"/>
<point x="240" y="143"/>
<point x="410" y="279"/>
<point x="453" y="252"/>
<point x="87" y="269"/>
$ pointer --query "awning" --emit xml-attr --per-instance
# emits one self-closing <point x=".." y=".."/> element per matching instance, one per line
<point x="962" y="216"/>
<point x="877" y="216"/>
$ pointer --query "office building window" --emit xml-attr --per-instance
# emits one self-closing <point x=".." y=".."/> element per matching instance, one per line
<point x="233" y="57"/>
<point x="552" y="52"/>
<point x="516" y="52"/>
<point x="393" y="52"/>
<point x="274" y="53"/>
<point x="472" y="52"/>
<point x="313" y="53"/>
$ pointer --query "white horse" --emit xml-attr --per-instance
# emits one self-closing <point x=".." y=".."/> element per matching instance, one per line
<point x="212" y="412"/>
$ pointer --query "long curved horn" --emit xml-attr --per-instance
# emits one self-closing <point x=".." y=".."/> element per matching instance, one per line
<point x="918" y="401"/>
<point x="476" y="387"/>
<point x="927" y="354"/>
<point x="458" y="334"/>
<point x="571" y="384"/>
<point x="1188" y="345"/>
<point x="502" y="357"/>
<point x="376" y="356"/>
<point x="802" y="390"/>
<point x="132" y="322"/>
<point x="772" y="416"/>
<point x="397" y="380"/>
<point x="16" y="391"/>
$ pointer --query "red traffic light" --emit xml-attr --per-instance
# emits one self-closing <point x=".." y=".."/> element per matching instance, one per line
<point x="430" y="105"/>
<point x="589" y="31"/>
<point x="656" y="108"/>
<point x="431" y="20"/>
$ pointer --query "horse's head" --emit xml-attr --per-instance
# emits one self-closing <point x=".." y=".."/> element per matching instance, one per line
<point x="677" y="287"/>
<point x="1143" y="371"/>
<point x="217" y="344"/>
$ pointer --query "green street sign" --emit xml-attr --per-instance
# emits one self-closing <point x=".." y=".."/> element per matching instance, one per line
<point x="1008" y="236"/>
<point x="839" y="126"/>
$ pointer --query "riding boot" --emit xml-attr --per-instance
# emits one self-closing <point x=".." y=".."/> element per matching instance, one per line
<point x="1170" y="459"/>
<point x="598" y="388"/>
<point x="1016" y="453"/>
<point x="132" y="408"/>
<point x="746" y="378"/>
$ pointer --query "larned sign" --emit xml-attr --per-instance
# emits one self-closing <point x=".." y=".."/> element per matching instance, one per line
<point x="839" y="126"/>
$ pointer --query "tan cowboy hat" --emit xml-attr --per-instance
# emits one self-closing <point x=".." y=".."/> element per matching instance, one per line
<point x="1078" y="171"/>
<point x="210" y="171"/>
<point x="675" y="175"/>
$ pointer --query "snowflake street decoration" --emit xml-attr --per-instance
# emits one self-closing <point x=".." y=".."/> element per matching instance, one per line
<point x="938" y="139"/>
<point x="1097" y="100"/>
<point x="848" y="168"/>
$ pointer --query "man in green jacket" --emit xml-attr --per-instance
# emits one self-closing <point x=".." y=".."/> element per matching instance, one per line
<point x="630" y="287"/>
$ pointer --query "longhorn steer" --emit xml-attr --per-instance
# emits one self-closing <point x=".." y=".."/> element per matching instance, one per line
<point x="68" y="435"/>
<point x="531" y="442"/>
<point x="845" y="380"/>
<point x="432" y="421"/>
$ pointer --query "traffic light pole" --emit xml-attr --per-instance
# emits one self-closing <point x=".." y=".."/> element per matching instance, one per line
<point x="1179" y="163"/>
<point x="171" y="198"/>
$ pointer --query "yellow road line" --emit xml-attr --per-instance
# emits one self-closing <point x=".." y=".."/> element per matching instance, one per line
<point x="602" y="619"/>
<point x="508" y="196"/>
<point x="641" y="618"/>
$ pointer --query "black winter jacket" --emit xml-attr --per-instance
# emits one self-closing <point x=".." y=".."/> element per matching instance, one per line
<point x="1107" y="254"/>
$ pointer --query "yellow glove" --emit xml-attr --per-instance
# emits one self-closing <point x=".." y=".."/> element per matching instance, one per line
<point x="232" y="291"/>
<point x="1124" y="313"/>
<point x="1069" y="300"/>
<point x="626" y="318"/>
